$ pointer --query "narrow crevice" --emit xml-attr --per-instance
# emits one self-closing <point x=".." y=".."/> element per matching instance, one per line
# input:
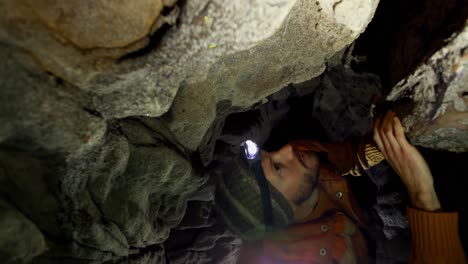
<point x="141" y="252"/>
<point x="154" y="41"/>
<point x="92" y="112"/>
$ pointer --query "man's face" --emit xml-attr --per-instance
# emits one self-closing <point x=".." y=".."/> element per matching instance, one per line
<point x="293" y="173"/>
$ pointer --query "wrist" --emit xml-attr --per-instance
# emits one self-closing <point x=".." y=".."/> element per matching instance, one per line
<point x="426" y="200"/>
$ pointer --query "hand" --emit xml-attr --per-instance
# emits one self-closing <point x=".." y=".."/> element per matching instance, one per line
<point x="407" y="162"/>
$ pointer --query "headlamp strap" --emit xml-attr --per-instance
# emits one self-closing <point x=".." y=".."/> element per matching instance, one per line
<point x="264" y="192"/>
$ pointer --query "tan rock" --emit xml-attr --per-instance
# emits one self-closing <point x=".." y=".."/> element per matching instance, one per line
<point x="74" y="39"/>
<point x="98" y="23"/>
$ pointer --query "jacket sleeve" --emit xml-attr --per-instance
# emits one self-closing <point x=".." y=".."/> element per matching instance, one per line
<point x="435" y="237"/>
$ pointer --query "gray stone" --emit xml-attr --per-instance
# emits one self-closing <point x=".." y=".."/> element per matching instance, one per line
<point x="218" y="51"/>
<point x="20" y="239"/>
<point x="213" y="245"/>
<point x="28" y="182"/>
<point x="198" y="215"/>
<point x="343" y="102"/>
<point x="153" y="256"/>
<point x="292" y="51"/>
<point x="105" y="198"/>
<point x="35" y="108"/>
<point x="137" y="189"/>
<point x="434" y="98"/>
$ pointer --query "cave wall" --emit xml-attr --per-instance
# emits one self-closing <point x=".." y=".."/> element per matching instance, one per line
<point x="434" y="98"/>
<point x="106" y="106"/>
<point x="110" y="111"/>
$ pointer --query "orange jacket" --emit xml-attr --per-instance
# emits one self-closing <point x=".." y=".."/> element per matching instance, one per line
<point x="331" y="233"/>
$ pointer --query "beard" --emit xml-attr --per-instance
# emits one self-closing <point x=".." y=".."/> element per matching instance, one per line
<point x="308" y="185"/>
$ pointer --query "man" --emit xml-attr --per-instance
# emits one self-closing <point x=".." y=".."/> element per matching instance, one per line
<point x="303" y="210"/>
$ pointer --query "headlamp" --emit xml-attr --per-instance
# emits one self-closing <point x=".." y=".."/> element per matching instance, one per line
<point x="251" y="149"/>
<point x="250" y="152"/>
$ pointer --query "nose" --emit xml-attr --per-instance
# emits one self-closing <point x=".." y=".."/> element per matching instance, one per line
<point x="284" y="155"/>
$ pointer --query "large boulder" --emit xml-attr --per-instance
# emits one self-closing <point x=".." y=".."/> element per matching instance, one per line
<point x="434" y="98"/>
<point x="218" y="50"/>
<point x="77" y="186"/>
<point x="74" y="39"/>
<point x="293" y="51"/>
<point x="77" y="40"/>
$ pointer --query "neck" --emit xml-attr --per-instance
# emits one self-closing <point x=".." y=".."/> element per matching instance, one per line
<point x="305" y="209"/>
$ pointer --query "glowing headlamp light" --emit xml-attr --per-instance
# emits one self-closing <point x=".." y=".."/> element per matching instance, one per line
<point x="251" y="149"/>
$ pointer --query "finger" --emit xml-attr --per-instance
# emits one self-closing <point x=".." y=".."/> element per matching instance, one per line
<point x="390" y="133"/>
<point x="376" y="137"/>
<point x="386" y="132"/>
<point x="389" y="141"/>
<point x="399" y="132"/>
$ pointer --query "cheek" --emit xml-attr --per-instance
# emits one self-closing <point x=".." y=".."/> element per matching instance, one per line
<point x="291" y="187"/>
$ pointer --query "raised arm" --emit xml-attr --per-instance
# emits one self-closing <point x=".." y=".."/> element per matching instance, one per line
<point x="434" y="233"/>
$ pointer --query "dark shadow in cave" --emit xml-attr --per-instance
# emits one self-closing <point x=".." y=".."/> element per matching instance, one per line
<point x="298" y="124"/>
<point x="404" y="34"/>
<point x="450" y="173"/>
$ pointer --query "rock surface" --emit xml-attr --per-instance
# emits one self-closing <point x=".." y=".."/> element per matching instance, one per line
<point x="73" y="39"/>
<point x="14" y="224"/>
<point x="434" y="98"/>
<point x="295" y="51"/>
<point x="343" y="102"/>
<point x="107" y="109"/>
<point x="405" y="34"/>
<point x="77" y="41"/>
<point x="82" y="187"/>
<point x="212" y="244"/>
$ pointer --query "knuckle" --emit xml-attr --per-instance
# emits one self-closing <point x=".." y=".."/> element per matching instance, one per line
<point x="400" y="138"/>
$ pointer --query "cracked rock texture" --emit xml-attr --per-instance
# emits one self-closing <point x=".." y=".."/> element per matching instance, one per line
<point x="104" y="104"/>
<point x="434" y="98"/>
<point x="295" y="51"/>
